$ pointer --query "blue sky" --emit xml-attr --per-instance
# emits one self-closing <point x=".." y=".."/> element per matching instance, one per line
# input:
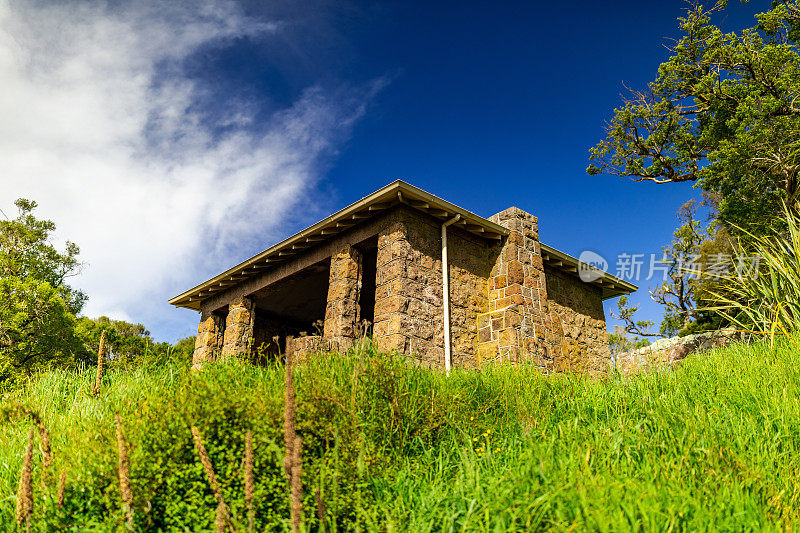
<point x="301" y="108"/>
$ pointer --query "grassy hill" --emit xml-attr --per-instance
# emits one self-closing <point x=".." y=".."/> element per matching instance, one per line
<point x="712" y="445"/>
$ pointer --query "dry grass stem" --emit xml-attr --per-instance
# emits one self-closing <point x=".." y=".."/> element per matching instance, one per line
<point x="321" y="511"/>
<point x="62" y="481"/>
<point x="297" y="486"/>
<point x="100" y="356"/>
<point x="205" y="460"/>
<point x="221" y="518"/>
<point x="124" y="472"/>
<point x="293" y="452"/>
<point x="44" y="437"/>
<point x="289" y="431"/>
<point x="25" y="488"/>
<point x="249" y="481"/>
<point x="45" y="448"/>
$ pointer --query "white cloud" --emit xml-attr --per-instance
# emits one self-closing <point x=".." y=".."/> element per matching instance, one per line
<point x="100" y="126"/>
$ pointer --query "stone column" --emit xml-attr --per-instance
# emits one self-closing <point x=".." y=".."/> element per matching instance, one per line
<point x="517" y="326"/>
<point x="342" y="313"/>
<point x="391" y="297"/>
<point x="238" y="328"/>
<point x="208" y="342"/>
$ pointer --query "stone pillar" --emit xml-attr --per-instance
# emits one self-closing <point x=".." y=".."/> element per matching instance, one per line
<point x="391" y="295"/>
<point x="238" y="328"/>
<point x="208" y="343"/>
<point x="517" y="326"/>
<point x="342" y="313"/>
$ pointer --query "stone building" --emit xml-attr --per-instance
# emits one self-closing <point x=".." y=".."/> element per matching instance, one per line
<point x="376" y="267"/>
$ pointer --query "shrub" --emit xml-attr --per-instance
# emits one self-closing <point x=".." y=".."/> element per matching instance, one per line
<point x="768" y="299"/>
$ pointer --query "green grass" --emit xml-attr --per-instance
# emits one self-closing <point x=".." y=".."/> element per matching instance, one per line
<point x="712" y="445"/>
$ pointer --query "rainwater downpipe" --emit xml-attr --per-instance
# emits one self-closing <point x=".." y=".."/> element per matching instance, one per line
<point x="446" y="294"/>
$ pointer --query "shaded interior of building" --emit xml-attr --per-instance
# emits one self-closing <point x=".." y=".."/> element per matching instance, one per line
<point x="295" y="306"/>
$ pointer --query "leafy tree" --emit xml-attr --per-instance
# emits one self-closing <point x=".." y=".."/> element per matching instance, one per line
<point x="129" y="343"/>
<point x="723" y="111"/>
<point x="691" y="265"/>
<point x="26" y="252"/>
<point x="626" y="313"/>
<point x="621" y="341"/>
<point x="37" y="307"/>
<point x="678" y="290"/>
<point x="183" y="350"/>
<point x="39" y="326"/>
<point x="124" y="341"/>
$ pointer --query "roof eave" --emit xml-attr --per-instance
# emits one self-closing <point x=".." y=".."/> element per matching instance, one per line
<point x="610" y="285"/>
<point x="397" y="192"/>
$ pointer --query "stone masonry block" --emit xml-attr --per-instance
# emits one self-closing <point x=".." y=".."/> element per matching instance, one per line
<point x="516" y="274"/>
<point x="209" y="340"/>
<point x="394" y="342"/>
<point x="342" y="312"/>
<point x="238" y="328"/>
<point x="397" y="303"/>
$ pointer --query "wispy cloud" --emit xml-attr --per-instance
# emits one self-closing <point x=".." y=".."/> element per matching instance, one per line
<point x="105" y="129"/>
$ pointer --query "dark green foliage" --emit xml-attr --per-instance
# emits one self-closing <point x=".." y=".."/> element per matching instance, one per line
<point x="722" y="112"/>
<point x="37" y="307"/>
<point x="39" y="326"/>
<point x="37" y="330"/>
<point x="130" y="344"/>
<point x="183" y="350"/>
<point x="27" y="253"/>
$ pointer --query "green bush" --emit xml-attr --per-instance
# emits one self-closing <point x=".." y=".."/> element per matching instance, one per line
<point x="767" y="300"/>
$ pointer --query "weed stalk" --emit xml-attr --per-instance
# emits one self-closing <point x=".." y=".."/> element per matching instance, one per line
<point x="124" y="472"/>
<point x="62" y="481"/>
<point x="249" y="481"/>
<point x="205" y="460"/>
<point x="25" y="488"/>
<point x="292" y="458"/>
<point x="100" y="356"/>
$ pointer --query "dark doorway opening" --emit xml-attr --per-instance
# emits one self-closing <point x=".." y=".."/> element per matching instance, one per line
<point x="369" y="271"/>
<point x="221" y="316"/>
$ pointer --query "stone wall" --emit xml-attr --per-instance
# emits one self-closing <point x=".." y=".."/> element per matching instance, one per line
<point x="266" y="329"/>
<point x="666" y="353"/>
<point x="503" y="304"/>
<point x="408" y="294"/>
<point x="299" y="347"/>
<point x="576" y="313"/>
<point x="225" y="332"/>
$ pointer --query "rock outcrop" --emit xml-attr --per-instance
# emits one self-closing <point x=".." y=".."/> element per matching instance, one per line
<point x="666" y="353"/>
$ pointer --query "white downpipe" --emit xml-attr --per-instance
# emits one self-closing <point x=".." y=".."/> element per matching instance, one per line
<point x="446" y="293"/>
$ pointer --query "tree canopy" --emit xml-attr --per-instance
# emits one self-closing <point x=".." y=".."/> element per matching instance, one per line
<point x="39" y="322"/>
<point x="723" y="112"/>
<point x="37" y="306"/>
